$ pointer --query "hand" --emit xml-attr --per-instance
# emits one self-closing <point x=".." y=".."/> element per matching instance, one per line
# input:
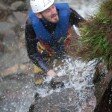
<point x="51" y="73"/>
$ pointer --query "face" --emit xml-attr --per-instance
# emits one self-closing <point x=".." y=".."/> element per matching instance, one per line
<point x="50" y="14"/>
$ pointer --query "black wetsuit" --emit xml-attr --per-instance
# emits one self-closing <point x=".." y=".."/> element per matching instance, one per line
<point x="31" y="41"/>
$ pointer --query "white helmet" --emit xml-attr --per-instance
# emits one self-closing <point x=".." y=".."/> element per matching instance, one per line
<point x="40" y="5"/>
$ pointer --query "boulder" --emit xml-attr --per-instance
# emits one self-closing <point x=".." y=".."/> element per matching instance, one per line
<point x="6" y="26"/>
<point x="15" y="5"/>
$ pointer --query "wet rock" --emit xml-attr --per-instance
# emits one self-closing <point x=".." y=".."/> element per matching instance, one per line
<point x="101" y="80"/>
<point x="64" y="110"/>
<point x="9" y="60"/>
<point x="9" y="41"/>
<point x="3" y="16"/>
<point x="16" y="4"/>
<point x="100" y="72"/>
<point x="17" y="68"/>
<point x="21" y="17"/>
<point x="31" y="109"/>
<point x="55" y="83"/>
<point x="23" y="7"/>
<point x="10" y="70"/>
<point x="4" y="12"/>
<point x="1" y="45"/>
<point x="23" y="56"/>
<point x="56" y="102"/>
<point x="10" y="38"/>
<point x="64" y="78"/>
<point x="25" y="68"/>
<point x="3" y="6"/>
<point x="36" y="96"/>
<point x="10" y="45"/>
<point x="1" y="37"/>
<point x="1" y="48"/>
<point x="105" y="104"/>
<point x="12" y="19"/>
<point x="14" y="52"/>
<point x="5" y="26"/>
<point x="16" y="91"/>
<point x="9" y="2"/>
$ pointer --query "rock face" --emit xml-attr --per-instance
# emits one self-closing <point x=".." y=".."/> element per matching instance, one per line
<point x="103" y="93"/>
<point x="15" y="91"/>
<point x="65" y="101"/>
<point x="105" y="104"/>
<point x="12" y="40"/>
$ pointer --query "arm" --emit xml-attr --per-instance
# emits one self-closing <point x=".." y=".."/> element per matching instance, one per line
<point x="31" y="44"/>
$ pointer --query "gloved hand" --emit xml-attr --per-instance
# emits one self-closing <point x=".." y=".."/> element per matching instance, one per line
<point x="56" y="83"/>
<point x="51" y="73"/>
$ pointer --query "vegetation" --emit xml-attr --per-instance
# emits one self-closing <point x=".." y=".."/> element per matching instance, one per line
<point x="96" y="35"/>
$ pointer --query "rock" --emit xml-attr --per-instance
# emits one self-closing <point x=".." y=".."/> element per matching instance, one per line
<point x="17" y="68"/>
<point x="36" y="96"/>
<point x="16" y="93"/>
<point x="101" y="80"/>
<point x="56" y="83"/>
<point x="10" y="70"/>
<point x="27" y="68"/>
<point x="16" y="4"/>
<point x="9" y="37"/>
<point x="3" y="6"/>
<point x="4" y="14"/>
<point x="1" y="47"/>
<point x="12" y="19"/>
<point x="105" y="104"/>
<point x="31" y="109"/>
<point x="8" y="2"/>
<point x="21" y="17"/>
<point x="57" y="102"/>
<point x="13" y="48"/>
<point x="5" y="26"/>
<point x="10" y="41"/>
<point x="23" y="7"/>
<point x="4" y="11"/>
<point x="23" y="58"/>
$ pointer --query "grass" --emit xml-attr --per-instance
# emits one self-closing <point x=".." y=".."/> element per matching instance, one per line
<point x="96" y="35"/>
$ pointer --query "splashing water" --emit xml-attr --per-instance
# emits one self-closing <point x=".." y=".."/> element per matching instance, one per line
<point x="20" y="90"/>
<point x="80" y="76"/>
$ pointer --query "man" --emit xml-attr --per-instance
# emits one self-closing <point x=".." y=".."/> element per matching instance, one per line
<point x="47" y="32"/>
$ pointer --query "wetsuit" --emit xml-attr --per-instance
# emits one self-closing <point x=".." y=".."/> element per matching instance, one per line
<point x="31" y="40"/>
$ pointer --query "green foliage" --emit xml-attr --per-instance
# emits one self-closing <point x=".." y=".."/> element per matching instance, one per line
<point x="96" y="35"/>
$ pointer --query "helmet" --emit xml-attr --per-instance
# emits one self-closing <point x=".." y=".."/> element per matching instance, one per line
<point x="40" y="5"/>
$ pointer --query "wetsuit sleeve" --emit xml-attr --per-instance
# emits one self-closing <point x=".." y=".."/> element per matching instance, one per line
<point x="31" y="45"/>
<point x="75" y="18"/>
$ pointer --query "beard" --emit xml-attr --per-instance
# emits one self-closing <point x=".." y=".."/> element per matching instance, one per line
<point x="54" y="18"/>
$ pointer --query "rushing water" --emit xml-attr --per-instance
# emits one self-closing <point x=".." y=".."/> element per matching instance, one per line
<point x="19" y="89"/>
<point x="80" y="76"/>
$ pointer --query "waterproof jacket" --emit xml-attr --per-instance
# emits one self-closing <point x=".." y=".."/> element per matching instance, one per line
<point x="33" y="35"/>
